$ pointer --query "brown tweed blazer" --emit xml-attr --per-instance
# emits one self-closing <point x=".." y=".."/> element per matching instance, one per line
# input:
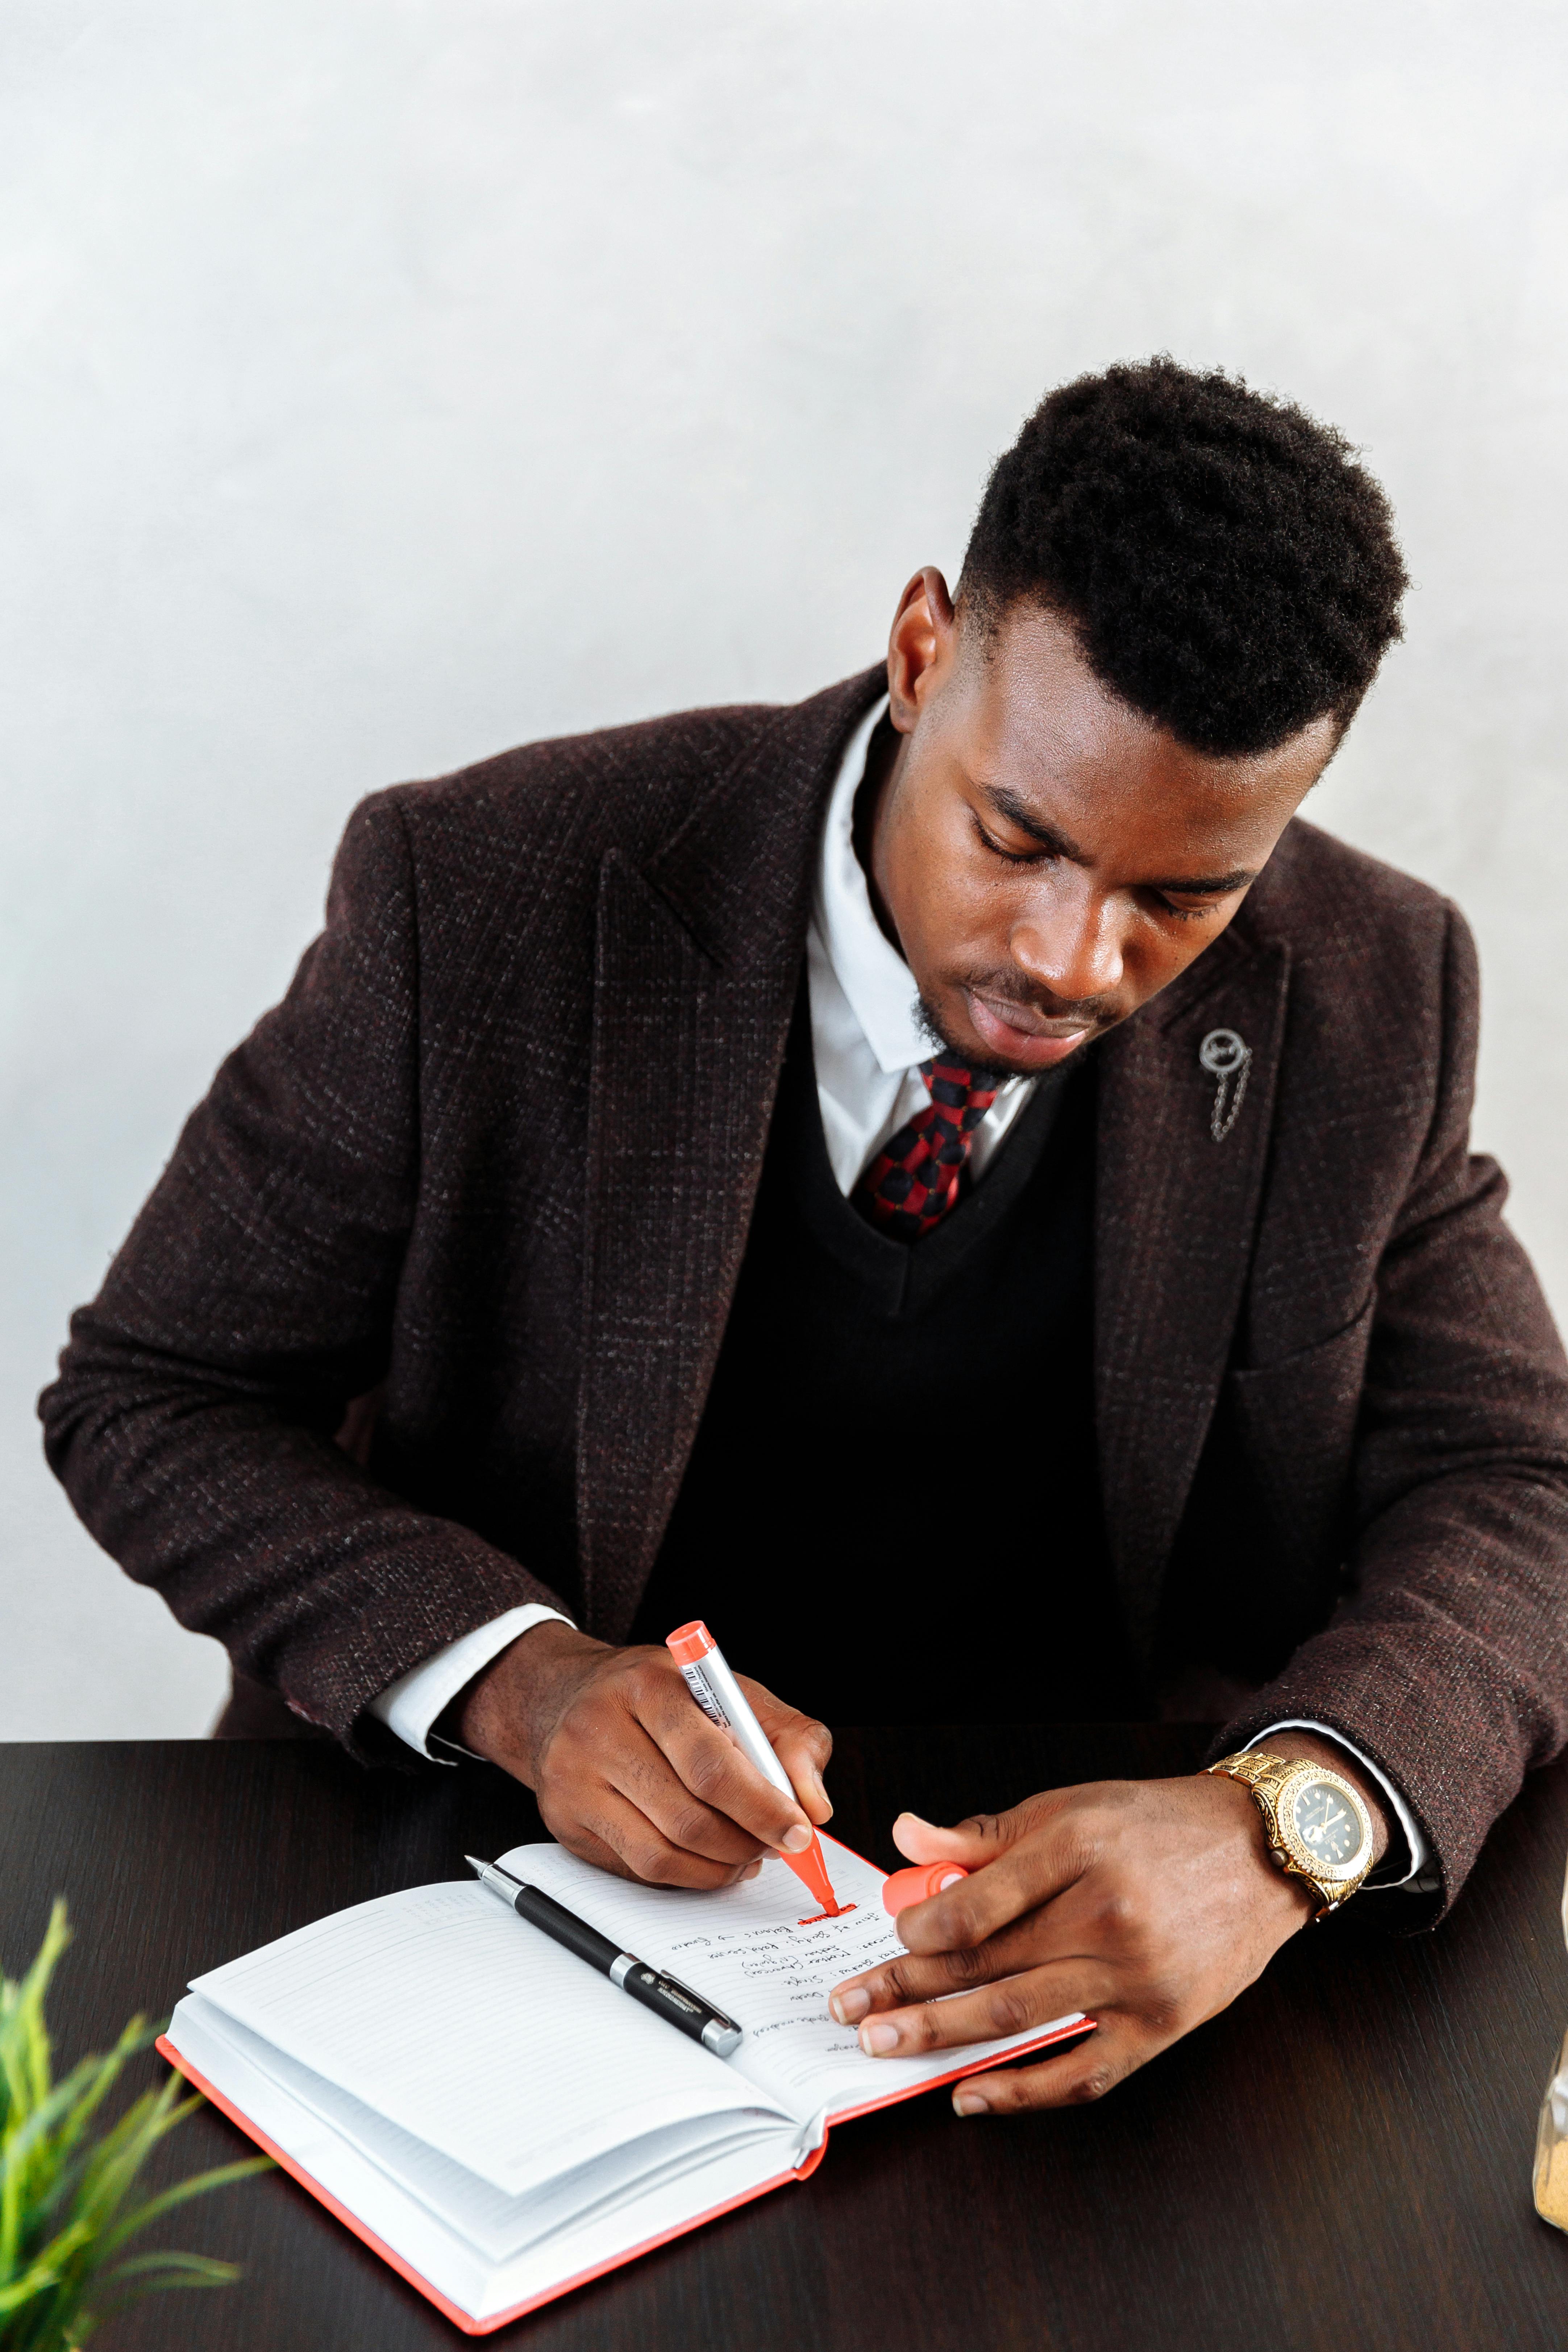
<point x="493" y="1157"/>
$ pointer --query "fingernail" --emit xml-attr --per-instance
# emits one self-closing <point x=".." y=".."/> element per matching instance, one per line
<point x="823" y="1798"/>
<point x="752" y="1869"/>
<point x="796" y="1841"/>
<point x="966" y="2102"/>
<point x="849" y="2008"/>
<point x="875" y="2040"/>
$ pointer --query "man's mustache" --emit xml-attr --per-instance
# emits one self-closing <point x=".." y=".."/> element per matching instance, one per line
<point x="1004" y="988"/>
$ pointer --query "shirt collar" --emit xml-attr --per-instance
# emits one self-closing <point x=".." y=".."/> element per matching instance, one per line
<point x="876" y="981"/>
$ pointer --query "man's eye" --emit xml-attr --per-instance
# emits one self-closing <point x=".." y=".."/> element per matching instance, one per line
<point x="1012" y="856"/>
<point x="1183" y="913"/>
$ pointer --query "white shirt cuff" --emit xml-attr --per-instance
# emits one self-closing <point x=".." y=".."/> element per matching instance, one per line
<point x="410" y="1704"/>
<point x="1419" y="1879"/>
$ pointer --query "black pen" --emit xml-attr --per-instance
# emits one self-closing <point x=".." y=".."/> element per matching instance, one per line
<point x="666" y="1996"/>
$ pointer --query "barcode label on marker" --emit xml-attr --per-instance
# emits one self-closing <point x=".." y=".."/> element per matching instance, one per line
<point x="701" y="1690"/>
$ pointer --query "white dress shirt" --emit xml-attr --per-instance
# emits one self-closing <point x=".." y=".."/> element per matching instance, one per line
<point x="868" y="1042"/>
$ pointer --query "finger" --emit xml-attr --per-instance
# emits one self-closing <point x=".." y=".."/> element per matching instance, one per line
<point x="1013" y="2005"/>
<point x="1115" y="2050"/>
<point x="640" y="1850"/>
<point x="987" y="1842"/>
<point x="916" y="1977"/>
<point x="712" y="1767"/>
<point x="974" y="1841"/>
<point x="923" y="1841"/>
<point x="583" y="1842"/>
<point x="1024" y="1876"/>
<point x="801" y="1745"/>
<point x="644" y="1776"/>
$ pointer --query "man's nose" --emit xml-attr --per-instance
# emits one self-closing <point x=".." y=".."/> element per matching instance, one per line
<point x="1071" y="945"/>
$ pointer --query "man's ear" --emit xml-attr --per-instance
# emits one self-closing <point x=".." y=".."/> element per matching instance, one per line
<point x="921" y="646"/>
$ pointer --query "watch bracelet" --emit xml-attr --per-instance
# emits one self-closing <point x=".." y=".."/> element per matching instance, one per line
<point x="1254" y="1767"/>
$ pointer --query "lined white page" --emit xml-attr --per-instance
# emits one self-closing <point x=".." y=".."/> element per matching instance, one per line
<point x="747" y="1949"/>
<point x="497" y="2227"/>
<point x="466" y="2027"/>
<point x="671" y="2199"/>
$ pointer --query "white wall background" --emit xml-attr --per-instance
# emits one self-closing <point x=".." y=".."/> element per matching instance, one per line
<point x="385" y="381"/>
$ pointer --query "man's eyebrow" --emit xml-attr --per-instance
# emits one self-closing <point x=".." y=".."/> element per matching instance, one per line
<point x="1007" y="804"/>
<point x="1206" y="886"/>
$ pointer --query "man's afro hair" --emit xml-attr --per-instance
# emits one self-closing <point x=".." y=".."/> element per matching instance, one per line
<point x="1229" y="570"/>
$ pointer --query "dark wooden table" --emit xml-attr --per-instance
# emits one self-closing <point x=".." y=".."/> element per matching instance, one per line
<point x="1341" y="2160"/>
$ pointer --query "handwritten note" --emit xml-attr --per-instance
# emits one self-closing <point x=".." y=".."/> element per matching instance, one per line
<point x="746" y="1948"/>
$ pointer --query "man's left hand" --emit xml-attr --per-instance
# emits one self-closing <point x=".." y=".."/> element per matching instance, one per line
<point x="1149" y="1904"/>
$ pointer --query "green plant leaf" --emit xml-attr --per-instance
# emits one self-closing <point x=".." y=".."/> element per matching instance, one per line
<point x="64" y="2195"/>
<point x="157" y="2272"/>
<point x="32" y="2282"/>
<point x="137" y="2036"/>
<point x="194" y="2269"/>
<point x="24" y="2040"/>
<point x="58" y="2255"/>
<point x="76" y="2100"/>
<point x="198" y="2185"/>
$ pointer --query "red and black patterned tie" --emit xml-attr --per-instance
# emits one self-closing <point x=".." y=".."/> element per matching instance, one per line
<point x="913" y="1180"/>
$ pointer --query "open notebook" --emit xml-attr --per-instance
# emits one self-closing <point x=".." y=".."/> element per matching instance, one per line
<point x="496" y="2119"/>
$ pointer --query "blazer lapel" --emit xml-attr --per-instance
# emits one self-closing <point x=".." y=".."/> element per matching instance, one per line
<point x="699" y="957"/>
<point x="1174" y="1217"/>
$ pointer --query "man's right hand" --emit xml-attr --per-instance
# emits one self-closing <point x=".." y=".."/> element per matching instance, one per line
<point x="627" y="1769"/>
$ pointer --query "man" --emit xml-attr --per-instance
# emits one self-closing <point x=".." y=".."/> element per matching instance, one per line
<point x="953" y="1182"/>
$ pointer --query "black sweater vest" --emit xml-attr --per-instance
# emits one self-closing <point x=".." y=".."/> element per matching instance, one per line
<point x="891" y="1512"/>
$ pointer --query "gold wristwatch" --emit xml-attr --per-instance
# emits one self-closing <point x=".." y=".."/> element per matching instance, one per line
<point x="1319" y="1829"/>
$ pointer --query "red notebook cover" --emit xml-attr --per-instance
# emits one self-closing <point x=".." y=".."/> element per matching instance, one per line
<point x="462" y="2319"/>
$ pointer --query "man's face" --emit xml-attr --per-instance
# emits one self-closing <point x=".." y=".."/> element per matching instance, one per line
<point x="1047" y="859"/>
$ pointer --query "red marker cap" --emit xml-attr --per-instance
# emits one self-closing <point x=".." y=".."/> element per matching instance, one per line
<point x="690" y="1644"/>
<point x="919" y="1883"/>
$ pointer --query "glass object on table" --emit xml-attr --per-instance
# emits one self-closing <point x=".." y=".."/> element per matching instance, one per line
<point x="1552" y="2133"/>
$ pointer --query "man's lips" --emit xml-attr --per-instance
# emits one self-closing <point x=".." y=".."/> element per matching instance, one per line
<point x="1016" y="1035"/>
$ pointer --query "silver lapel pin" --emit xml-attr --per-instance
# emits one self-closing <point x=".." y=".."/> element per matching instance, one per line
<point x="1227" y="1059"/>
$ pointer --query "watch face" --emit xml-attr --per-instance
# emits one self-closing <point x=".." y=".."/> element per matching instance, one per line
<point x="1325" y="1821"/>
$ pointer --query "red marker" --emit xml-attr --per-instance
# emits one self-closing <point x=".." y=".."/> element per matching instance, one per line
<point x="724" y="1702"/>
<point x="919" y="1883"/>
